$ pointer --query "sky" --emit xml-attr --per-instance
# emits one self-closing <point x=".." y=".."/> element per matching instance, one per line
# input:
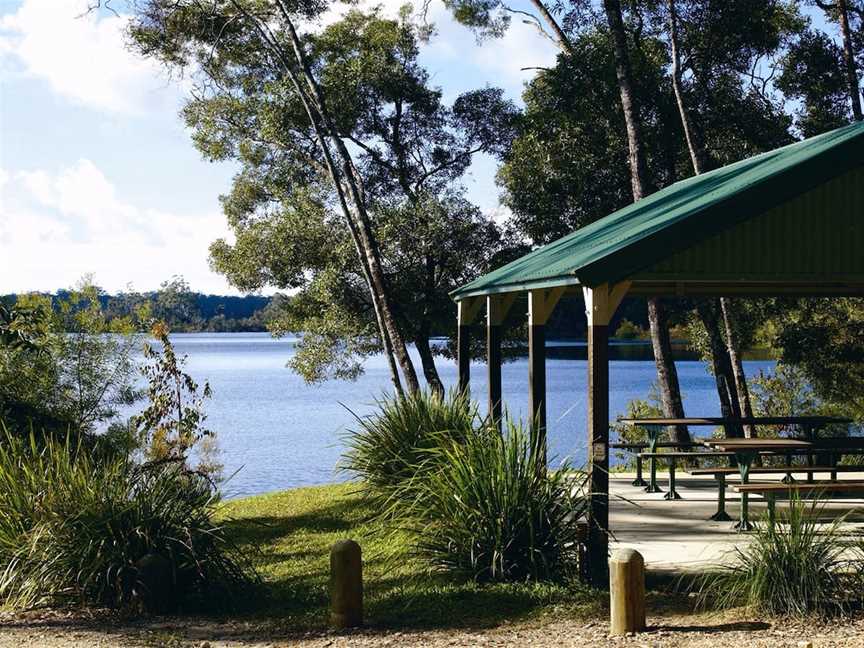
<point x="98" y="175"/>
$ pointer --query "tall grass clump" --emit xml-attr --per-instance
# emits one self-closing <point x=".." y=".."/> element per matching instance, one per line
<point x="490" y="511"/>
<point x="79" y="530"/>
<point x="390" y="450"/>
<point x="795" y="567"/>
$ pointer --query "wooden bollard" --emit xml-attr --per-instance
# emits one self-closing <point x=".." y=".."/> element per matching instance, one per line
<point x="627" y="591"/>
<point x="346" y="585"/>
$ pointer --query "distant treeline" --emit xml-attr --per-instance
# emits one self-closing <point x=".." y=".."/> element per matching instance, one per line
<point x="189" y="312"/>
<point x="182" y="309"/>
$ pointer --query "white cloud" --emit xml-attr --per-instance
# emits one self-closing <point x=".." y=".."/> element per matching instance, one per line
<point x="58" y="226"/>
<point x="82" y="56"/>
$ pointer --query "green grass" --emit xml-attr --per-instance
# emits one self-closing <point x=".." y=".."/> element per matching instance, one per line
<point x="288" y="537"/>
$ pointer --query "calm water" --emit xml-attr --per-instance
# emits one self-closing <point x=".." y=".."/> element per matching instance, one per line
<point x="277" y="432"/>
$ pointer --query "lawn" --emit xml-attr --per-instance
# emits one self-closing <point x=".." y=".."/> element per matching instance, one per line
<point x="288" y="536"/>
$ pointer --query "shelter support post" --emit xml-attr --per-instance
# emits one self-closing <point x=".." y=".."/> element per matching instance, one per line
<point x="466" y="310"/>
<point x="541" y="303"/>
<point x="497" y="307"/>
<point x="600" y="304"/>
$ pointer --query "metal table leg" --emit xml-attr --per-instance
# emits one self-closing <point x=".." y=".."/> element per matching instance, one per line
<point x="672" y="494"/>
<point x="721" y="515"/>
<point x="639" y="481"/>
<point x="653" y="432"/>
<point x="745" y="461"/>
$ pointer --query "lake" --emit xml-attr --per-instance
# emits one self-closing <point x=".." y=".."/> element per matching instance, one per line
<point x="277" y="432"/>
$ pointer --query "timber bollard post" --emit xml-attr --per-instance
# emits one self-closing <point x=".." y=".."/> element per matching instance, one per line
<point x="346" y="585"/>
<point x="626" y="591"/>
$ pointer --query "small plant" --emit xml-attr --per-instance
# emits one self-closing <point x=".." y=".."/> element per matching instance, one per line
<point x="172" y="423"/>
<point x="490" y="511"/>
<point x="792" y="568"/>
<point x="390" y="449"/>
<point x="109" y="531"/>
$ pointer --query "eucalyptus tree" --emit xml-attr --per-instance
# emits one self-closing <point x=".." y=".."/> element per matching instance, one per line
<point x="849" y="17"/>
<point x="337" y="120"/>
<point x="340" y="137"/>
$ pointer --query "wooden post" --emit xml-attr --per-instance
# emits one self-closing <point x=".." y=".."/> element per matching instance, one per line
<point x="600" y="305"/>
<point x="466" y="312"/>
<point x="541" y="303"/>
<point x="497" y="307"/>
<point x="346" y="585"/>
<point x="626" y="592"/>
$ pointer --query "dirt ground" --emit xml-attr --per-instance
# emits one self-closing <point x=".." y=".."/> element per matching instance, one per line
<point x="56" y="630"/>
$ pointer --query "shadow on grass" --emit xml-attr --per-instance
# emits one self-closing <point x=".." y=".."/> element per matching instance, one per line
<point x="291" y="551"/>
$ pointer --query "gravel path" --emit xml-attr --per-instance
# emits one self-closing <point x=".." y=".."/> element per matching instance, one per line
<point x="56" y="631"/>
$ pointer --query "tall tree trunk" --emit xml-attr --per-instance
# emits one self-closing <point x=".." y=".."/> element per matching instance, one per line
<point x="849" y="59"/>
<point x="348" y="185"/>
<point x="697" y="152"/>
<point x="709" y="313"/>
<point x="667" y="374"/>
<point x="670" y="398"/>
<point x="733" y="345"/>
<point x="699" y="159"/>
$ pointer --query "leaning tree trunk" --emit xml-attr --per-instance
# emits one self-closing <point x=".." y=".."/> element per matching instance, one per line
<point x="709" y="313"/>
<point x="353" y="183"/>
<point x="849" y="59"/>
<point x="430" y="372"/>
<point x="667" y="374"/>
<point x="733" y="345"/>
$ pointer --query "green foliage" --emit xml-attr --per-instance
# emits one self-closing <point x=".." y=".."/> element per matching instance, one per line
<point x="390" y="451"/>
<point x="813" y="73"/>
<point x="74" y="529"/>
<point x="172" y="423"/>
<point x="627" y="330"/>
<point x="490" y="511"/>
<point x="81" y="371"/>
<point x="795" y="568"/>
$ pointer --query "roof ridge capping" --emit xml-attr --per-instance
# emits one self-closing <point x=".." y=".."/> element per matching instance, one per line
<point x="677" y="216"/>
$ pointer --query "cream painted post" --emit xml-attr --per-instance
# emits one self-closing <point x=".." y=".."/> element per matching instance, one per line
<point x="541" y="303"/>
<point x="497" y="307"/>
<point x="466" y="310"/>
<point x="600" y="304"/>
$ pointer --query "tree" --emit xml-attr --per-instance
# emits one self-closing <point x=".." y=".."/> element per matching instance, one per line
<point x="244" y="47"/>
<point x="839" y="12"/>
<point x="811" y="73"/>
<point x="408" y="150"/>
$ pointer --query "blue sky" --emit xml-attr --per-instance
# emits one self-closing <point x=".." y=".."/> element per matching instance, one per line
<point x="97" y="173"/>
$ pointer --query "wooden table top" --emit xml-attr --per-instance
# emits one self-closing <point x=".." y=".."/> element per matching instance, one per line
<point x="733" y="445"/>
<point x="752" y="420"/>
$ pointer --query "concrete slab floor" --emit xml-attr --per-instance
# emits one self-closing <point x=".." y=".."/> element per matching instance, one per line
<point x="677" y="536"/>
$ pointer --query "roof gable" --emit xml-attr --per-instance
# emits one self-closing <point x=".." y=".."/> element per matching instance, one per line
<point x="680" y="216"/>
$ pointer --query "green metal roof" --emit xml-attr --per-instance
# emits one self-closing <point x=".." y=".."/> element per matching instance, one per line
<point x="680" y="216"/>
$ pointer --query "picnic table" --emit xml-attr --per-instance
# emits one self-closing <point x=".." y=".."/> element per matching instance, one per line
<point x="746" y="451"/>
<point x="654" y="426"/>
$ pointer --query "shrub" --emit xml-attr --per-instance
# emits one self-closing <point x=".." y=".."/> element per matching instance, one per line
<point x="793" y="568"/>
<point x="490" y="512"/>
<point x="390" y="450"/>
<point x="108" y="532"/>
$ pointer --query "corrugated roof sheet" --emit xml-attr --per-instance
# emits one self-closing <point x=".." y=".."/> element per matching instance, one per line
<point x="679" y="216"/>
